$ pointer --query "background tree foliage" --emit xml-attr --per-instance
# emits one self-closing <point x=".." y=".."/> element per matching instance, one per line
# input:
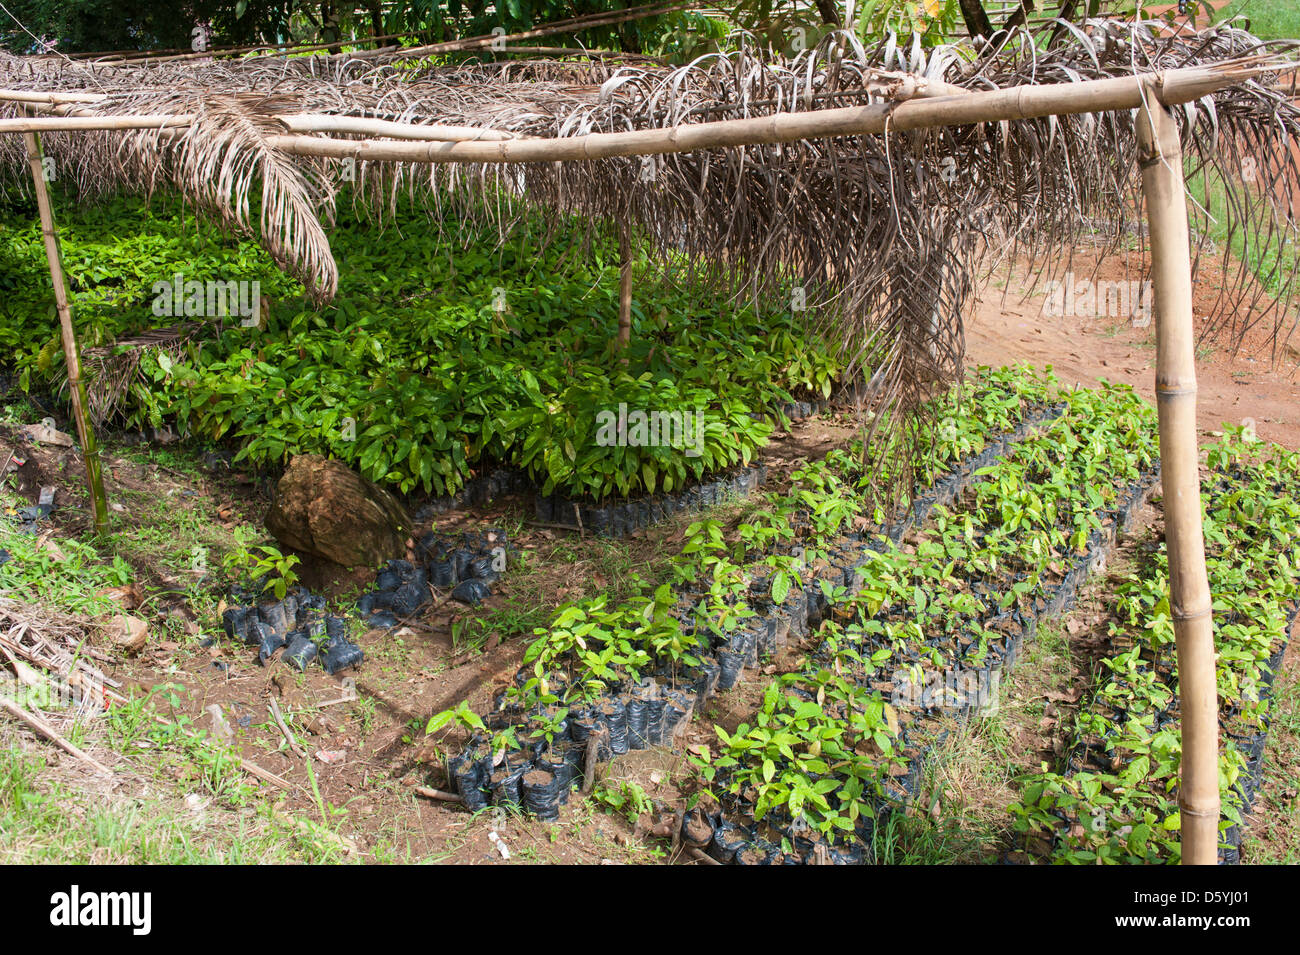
<point x="83" y="26"/>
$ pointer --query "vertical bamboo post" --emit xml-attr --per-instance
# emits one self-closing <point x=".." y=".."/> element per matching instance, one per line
<point x="1160" y="158"/>
<point x="624" y="288"/>
<point x="76" y="387"/>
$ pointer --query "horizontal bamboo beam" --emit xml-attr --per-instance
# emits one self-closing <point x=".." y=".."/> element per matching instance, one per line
<point x="69" y="124"/>
<point x="1022" y="102"/>
<point x="297" y="122"/>
<point x="32" y="96"/>
<point x="1172" y="87"/>
<point x="360" y="125"/>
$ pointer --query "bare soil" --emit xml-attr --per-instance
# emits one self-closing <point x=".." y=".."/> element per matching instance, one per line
<point x="1010" y="325"/>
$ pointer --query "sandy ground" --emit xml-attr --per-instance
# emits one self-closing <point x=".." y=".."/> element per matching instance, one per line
<point x="1006" y="327"/>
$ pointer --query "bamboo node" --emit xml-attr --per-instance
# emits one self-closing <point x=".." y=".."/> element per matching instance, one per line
<point x="1198" y="813"/>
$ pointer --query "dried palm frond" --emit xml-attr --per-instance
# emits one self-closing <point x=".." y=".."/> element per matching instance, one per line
<point x="111" y="372"/>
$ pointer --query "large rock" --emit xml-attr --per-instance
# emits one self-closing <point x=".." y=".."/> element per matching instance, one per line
<point x="323" y="507"/>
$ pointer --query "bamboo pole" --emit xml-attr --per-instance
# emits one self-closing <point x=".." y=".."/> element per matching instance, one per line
<point x="624" y="288"/>
<point x="1022" y="102"/>
<point x="70" y="118"/>
<point x="76" y="387"/>
<point x="1160" y="158"/>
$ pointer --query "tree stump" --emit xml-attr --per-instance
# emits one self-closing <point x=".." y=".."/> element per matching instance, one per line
<point x="323" y="507"/>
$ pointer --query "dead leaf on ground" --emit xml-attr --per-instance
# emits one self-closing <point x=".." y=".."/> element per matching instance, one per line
<point x="1068" y="696"/>
<point x="128" y="634"/>
<point x="128" y="597"/>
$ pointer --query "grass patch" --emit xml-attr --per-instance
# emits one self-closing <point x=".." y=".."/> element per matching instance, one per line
<point x="1273" y="836"/>
<point x="1269" y="19"/>
<point x="44" y="819"/>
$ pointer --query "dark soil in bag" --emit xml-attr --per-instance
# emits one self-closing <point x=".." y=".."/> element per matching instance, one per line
<point x="505" y="785"/>
<point x="409" y="598"/>
<point x="472" y="592"/>
<point x="542" y="793"/>
<point x="300" y="652"/>
<point x="269" y="641"/>
<point x="634" y="710"/>
<point x="339" y="653"/>
<point x="467" y="776"/>
<point x="275" y="616"/>
<point x="730" y="665"/>
<point x="611" y="715"/>
<point x="235" y="622"/>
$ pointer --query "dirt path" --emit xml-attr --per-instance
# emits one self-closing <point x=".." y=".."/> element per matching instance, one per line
<point x="1003" y="329"/>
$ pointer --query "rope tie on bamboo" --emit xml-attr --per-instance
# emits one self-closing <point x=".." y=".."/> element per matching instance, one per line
<point x="1182" y="616"/>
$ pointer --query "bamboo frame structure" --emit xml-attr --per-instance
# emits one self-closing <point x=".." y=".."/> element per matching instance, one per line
<point x="577" y="128"/>
<point x="1161" y="162"/>
<point x="72" y="356"/>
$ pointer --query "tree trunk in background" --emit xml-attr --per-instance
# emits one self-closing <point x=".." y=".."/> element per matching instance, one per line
<point x="830" y="13"/>
<point x="1021" y="16"/>
<point x="977" y="21"/>
<point x="376" y="12"/>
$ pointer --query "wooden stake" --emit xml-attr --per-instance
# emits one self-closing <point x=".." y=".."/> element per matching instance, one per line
<point x="76" y="387"/>
<point x="591" y="758"/>
<point x="1160" y="158"/>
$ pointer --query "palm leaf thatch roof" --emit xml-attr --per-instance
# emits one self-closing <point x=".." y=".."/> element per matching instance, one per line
<point x="889" y="232"/>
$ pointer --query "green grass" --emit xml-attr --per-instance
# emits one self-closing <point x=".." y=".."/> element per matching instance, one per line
<point x="63" y="577"/>
<point x="1272" y="267"/>
<point x="1269" y="19"/>
<point x="46" y="819"/>
<point x="1273" y="836"/>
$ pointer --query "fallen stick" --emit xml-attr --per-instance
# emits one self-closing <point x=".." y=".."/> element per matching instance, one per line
<point x="312" y="828"/>
<point x="51" y="734"/>
<point x="701" y="857"/>
<point x="341" y="699"/>
<point x="284" y="730"/>
<point x="437" y="794"/>
<point x="551" y="526"/>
